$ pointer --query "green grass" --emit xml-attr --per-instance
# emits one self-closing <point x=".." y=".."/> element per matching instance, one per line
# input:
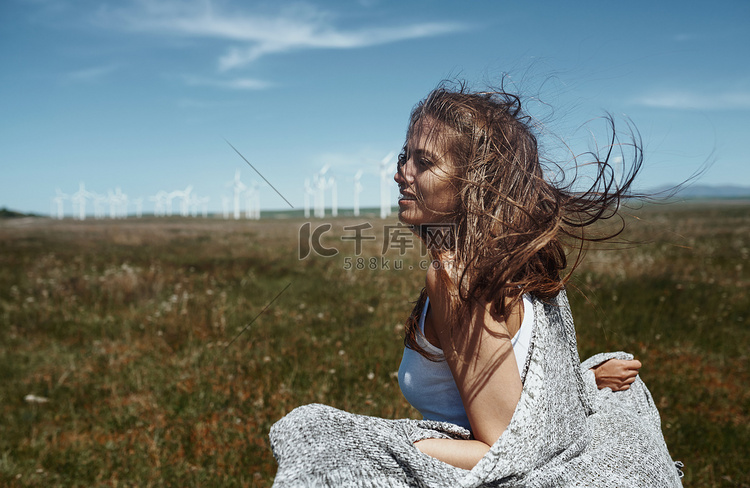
<point x="125" y="327"/>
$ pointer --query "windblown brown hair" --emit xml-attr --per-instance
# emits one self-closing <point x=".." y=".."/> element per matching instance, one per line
<point x="512" y="224"/>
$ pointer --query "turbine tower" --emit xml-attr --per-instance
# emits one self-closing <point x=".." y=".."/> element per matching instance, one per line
<point x="138" y="207"/>
<point x="168" y="197"/>
<point x="203" y="202"/>
<point x="112" y="201"/>
<point x="252" y="202"/>
<point x="195" y="202"/>
<point x="334" y="196"/>
<point x="185" y="203"/>
<point x="357" y="190"/>
<point x="99" y="201"/>
<point x="385" y="186"/>
<point x="308" y="192"/>
<point x="256" y="201"/>
<point x="118" y="204"/>
<point x="249" y="197"/>
<point x="225" y="206"/>
<point x="320" y="198"/>
<point x="122" y="203"/>
<point x="238" y="188"/>
<point x="57" y="201"/>
<point x="79" y="199"/>
<point x="159" y="200"/>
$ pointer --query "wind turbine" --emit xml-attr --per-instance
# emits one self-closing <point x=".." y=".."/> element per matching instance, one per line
<point x="112" y="201"/>
<point x="256" y="201"/>
<point x="225" y="206"/>
<point x="385" y="185"/>
<point x="159" y="200"/>
<point x="120" y="203"/>
<point x="185" y="203"/>
<point x="334" y="196"/>
<point x="357" y="190"/>
<point x="320" y="184"/>
<point x="123" y="203"/>
<point x="252" y="202"/>
<point x="238" y="188"/>
<point x="138" y="207"/>
<point x="249" y="195"/>
<point x="99" y="201"/>
<point x="168" y="197"/>
<point x="58" y="200"/>
<point x="203" y="202"/>
<point x="195" y="202"/>
<point x="308" y="191"/>
<point x="79" y="198"/>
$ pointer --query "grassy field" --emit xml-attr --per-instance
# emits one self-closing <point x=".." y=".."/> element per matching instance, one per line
<point x="159" y="352"/>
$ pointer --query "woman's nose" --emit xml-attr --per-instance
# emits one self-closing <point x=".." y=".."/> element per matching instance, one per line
<point x="402" y="176"/>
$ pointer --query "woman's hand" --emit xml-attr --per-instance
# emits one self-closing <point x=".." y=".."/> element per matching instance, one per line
<point x="616" y="374"/>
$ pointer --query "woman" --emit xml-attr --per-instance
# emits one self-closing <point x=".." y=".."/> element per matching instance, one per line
<point x="490" y="356"/>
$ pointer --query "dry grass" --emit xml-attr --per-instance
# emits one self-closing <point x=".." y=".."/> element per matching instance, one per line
<point x="124" y="327"/>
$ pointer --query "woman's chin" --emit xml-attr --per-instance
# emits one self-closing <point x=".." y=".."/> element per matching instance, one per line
<point x="406" y="217"/>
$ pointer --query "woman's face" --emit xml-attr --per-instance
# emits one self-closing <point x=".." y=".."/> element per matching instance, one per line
<point x="424" y="177"/>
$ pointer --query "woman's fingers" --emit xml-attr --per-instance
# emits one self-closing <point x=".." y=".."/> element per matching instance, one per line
<point x="617" y="374"/>
<point x="632" y="364"/>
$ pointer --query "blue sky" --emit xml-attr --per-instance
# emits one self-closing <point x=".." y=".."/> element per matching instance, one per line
<point x="144" y="95"/>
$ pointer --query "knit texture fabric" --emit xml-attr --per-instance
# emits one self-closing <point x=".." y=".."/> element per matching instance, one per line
<point x="564" y="432"/>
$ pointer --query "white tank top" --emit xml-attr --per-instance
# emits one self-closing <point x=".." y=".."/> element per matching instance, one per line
<point x="429" y="386"/>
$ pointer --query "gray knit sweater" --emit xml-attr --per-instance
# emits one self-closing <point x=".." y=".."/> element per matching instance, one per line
<point x="564" y="432"/>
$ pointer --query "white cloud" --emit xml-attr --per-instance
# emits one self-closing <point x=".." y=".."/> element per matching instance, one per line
<point x="91" y="74"/>
<point x="231" y="84"/>
<point x="293" y="28"/>
<point x="305" y="36"/>
<point x="686" y="100"/>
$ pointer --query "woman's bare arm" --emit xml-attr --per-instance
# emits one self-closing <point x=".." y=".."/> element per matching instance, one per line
<point x="456" y="452"/>
<point x="480" y="356"/>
